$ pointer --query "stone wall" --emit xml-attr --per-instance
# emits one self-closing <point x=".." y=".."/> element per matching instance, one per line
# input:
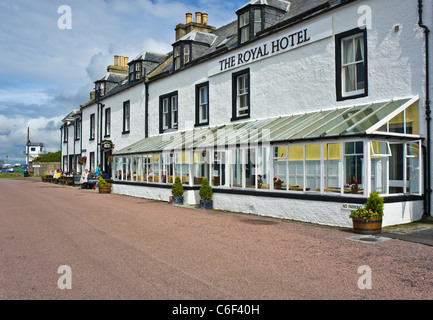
<point x="45" y="168"/>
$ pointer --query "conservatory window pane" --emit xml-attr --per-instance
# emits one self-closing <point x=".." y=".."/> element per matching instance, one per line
<point x="412" y="121"/>
<point x="219" y="169"/>
<point x="263" y="168"/>
<point x="154" y="168"/>
<point x="396" y="124"/>
<point x="280" y="168"/>
<point x="296" y="168"/>
<point x="134" y="165"/>
<point x="236" y="168"/>
<point x="396" y="168"/>
<point x="117" y="168"/>
<point x="380" y="148"/>
<point x="353" y="165"/>
<point x="379" y="168"/>
<point x="200" y="167"/>
<point x="332" y="157"/>
<point x="250" y="168"/>
<point x="413" y="168"/>
<point x="312" y="167"/>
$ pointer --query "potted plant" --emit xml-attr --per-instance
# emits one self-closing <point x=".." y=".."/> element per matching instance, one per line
<point x="103" y="186"/>
<point x="259" y="181"/>
<point x="277" y="183"/>
<point x="205" y="193"/>
<point x="354" y="187"/>
<point x="177" y="191"/>
<point x="368" y="220"/>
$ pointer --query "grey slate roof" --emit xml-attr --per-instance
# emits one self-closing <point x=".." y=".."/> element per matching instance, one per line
<point x="226" y="37"/>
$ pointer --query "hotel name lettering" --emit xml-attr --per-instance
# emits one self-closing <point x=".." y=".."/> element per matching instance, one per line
<point x="280" y="43"/>
<point x="292" y="40"/>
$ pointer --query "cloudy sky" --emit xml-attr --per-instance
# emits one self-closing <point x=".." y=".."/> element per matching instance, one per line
<point x="46" y="71"/>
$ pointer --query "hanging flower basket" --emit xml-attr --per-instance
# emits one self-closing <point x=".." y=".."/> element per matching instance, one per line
<point x="82" y="160"/>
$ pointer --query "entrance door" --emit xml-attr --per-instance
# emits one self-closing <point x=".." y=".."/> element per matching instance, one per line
<point x="107" y="165"/>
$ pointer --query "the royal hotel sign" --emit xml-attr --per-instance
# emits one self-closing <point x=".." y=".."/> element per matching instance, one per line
<point x="282" y="43"/>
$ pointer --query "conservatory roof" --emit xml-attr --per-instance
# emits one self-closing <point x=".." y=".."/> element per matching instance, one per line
<point x="348" y="121"/>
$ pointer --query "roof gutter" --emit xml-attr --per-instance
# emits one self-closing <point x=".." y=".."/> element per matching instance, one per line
<point x="427" y="185"/>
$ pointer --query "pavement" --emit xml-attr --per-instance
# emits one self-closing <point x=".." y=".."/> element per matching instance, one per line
<point x="120" y="247"/>
<point x="418" y="232"/>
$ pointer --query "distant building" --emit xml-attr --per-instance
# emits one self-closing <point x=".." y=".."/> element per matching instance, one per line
<point x="35" y="150"/>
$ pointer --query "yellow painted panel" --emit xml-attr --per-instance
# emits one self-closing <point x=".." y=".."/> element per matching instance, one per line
<point x="412" y="117"/>
<point x="312" y="152"/>
<point x="334" y="151"/>
<point x="296" y="153"/>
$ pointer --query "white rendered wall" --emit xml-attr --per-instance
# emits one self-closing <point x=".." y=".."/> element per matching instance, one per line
<point x="318" y="212"/>
<point x="303" y="79"/>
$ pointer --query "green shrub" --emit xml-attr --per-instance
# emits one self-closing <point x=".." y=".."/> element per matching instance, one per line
<point x="205" y="190"/>
<point x="177" y="188"/>
<point x="102" y="183"/>
<point x="375" y="203"/>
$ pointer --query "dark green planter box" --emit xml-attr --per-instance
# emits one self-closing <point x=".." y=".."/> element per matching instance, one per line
<point x="177" y="200"/>
<point x="206" y="204"/>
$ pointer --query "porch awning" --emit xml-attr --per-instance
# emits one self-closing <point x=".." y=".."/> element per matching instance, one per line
<point x="331" y="123"/>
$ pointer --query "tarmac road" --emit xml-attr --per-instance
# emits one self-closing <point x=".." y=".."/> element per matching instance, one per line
<point x="119" y="247"/>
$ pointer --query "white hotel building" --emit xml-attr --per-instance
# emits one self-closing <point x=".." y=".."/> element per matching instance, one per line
<point x="317" y="94"/>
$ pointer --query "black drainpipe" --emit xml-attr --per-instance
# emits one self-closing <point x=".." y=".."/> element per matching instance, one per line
<point x="146" y="106"/>
<point x="427" y="186"/>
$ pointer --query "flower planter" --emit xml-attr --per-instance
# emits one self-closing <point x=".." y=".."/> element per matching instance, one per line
<point x="177" y="200"/>
<point x="367" y="226"/>
<point x="104" y="189"/>
<point x="206" y="204"/>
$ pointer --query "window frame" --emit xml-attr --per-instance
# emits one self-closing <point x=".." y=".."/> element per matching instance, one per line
<point x="77" y="129"/>
<point x="126" y="117"/>
<point x="235" y="95"/>
<point x="339" y="38"/>
<point x="172" y="124"/>
<point x="92" y="126"/>
<point x="177" y="57"/>
<point x="107" y="122"/>
<point x="198" y="104"/>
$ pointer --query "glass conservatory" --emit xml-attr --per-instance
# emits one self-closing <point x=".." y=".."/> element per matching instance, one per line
<point x="349" y="151"/>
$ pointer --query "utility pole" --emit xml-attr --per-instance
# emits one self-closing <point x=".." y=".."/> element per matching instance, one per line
<point x="28" y="145"/>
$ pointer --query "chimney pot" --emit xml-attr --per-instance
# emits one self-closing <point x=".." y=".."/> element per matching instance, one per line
<point x="198" y="17"/>
<point x="121" y="61"/>
<point x="126" y="61"/>
<point x="204" y="18"/>
<point x="188" y="17"/>
<point x="116" y="60"/>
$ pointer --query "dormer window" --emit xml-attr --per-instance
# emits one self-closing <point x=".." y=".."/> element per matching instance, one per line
<point x="186" y="53"/>
<point x="138" y="70"/>
<point x="244" y="26"/>
<point x="181" y="55"/>
<point x="100" y="88"/>
<point x="250" y="22"/>
<point x="257" y="20"/>
<point x="135" y="71"/>
<point x="176" y="57"/>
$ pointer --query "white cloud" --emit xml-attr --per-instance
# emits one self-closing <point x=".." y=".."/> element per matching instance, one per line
<point x="45" y="72"/>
